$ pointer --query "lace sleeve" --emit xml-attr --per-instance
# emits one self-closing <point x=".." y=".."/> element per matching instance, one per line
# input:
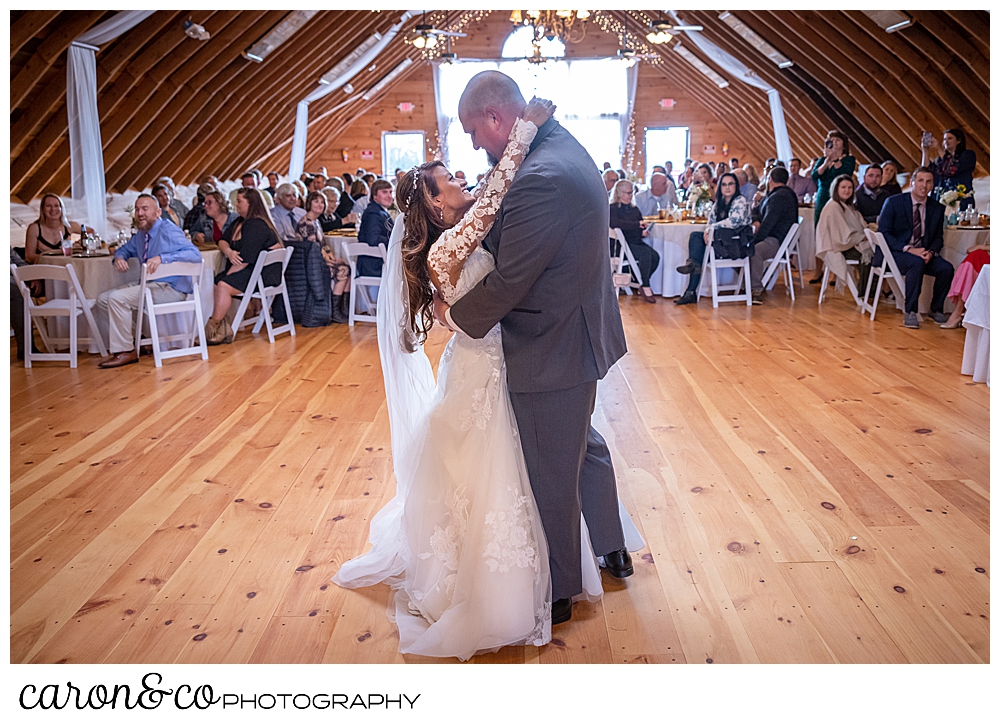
<point x="449" y="253"/>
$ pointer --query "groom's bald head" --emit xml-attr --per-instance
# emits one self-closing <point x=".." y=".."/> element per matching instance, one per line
<point x="490" y="103"/>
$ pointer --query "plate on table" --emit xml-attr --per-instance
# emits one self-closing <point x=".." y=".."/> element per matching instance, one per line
<point x="969" y="228"/>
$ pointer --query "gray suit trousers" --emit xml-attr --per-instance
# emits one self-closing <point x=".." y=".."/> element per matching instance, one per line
<point x="569" y="467"/>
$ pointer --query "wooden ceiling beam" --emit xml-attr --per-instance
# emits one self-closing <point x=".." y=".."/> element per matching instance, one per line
<point x="976" y="25"/>
<point x="27" y="27"/>
<point x="171" y="98"/>
<point x="76" y="23"/>
<point x="44" y="103"/>
<point x="936" y="27"/>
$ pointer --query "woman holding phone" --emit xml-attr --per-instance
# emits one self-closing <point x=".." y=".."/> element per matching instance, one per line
<point x="954" y="165"/>
<point x="835" y="161"/>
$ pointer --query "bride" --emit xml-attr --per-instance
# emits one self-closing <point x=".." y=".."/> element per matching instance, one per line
<point x="461" y="544"/>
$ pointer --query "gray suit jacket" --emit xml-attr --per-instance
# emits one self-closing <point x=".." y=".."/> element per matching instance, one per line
<point x="551" y="290"/>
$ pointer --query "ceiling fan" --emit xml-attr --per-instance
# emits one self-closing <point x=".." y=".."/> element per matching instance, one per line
<point x="426" y="35"/>
<point x="661" y="31"/>
<point x="628" y="53"/>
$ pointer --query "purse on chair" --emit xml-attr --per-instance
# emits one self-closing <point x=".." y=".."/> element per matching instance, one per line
<point x="733" y="243"/>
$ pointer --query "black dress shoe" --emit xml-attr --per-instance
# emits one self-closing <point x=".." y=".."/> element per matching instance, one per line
<point x="686" y="298"/>
<point x="619" y="563"/>
<point x="562" y="610"/>
<point x="689" y="268"/>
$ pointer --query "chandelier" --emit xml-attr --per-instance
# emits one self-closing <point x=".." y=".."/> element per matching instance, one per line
<point x="569" y="26"/>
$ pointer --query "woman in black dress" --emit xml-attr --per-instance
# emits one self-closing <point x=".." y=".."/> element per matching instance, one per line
<point x="627" y="217"/>
<point x="243" y="241"/>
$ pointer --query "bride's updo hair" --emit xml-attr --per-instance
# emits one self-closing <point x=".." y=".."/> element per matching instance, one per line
<point x="414" y="196"/>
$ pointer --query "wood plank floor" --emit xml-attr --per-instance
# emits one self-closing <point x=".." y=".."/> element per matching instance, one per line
<point x="812" y="487"/>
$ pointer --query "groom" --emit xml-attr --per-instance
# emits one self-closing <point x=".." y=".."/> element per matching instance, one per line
<point x="551" y="291"/>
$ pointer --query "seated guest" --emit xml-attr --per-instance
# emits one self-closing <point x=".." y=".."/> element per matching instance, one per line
<point x="734" y="163"/>
<point x="156" y="242"/>
<point x="216" y="219"/>
<point x="47" y="234"/>
<point x="369" y="178"/>
<point x="175" y="203"/>
<point x="659" y="195"/>
<point x="752" y="175"/>
<point x="331" y="219"/>
<point x="628" y="218"/>
<point x="360" y="192"/>
<point x="195" y="219"/>
<point x="871" y="195"/>
<point x="798" y="183"/>
<point x="610" y="179"/>
<point x="272" y="183"/>
<point x="731" y="210"/>
<point x="346" y="205"/>
<point x="302" y="189"/>
<point x="686" y="178"/>
<point x="721" y="168"/>
<point x="890" y="183"/>
<point x="318" y="182"/>
<point x="747" y="189"/>
<point x="840" y="234"/>
<point x="772" y="220"/>
<point x="348" y="180"/>
<point x="460" y="174"/>
<point x="955" y="164"/>
<point x="976" y="258"/>
<point x="247" y="238"/>
<point x="162" y="194"/>
<point x="309" y="229"/>
<point x="287" y="214"/>
<point x="250" y="181"/>
<point x="335" y="182"/>
<point x="376" y="224"/>
<point x="913" y="227"/>
<point x="668" y="171"/>
<point x="621" y="173"/>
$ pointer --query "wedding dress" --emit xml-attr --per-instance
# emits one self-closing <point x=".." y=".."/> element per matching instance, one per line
<point x="461" y="544"/>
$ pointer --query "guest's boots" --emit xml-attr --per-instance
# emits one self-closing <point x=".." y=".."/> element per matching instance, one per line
<point x="690" y="267"/>
<point x="338" y="315"/>
<point x="214" y="333"/>
<point x="227" y="323"/>
<point x="345" y="304"/>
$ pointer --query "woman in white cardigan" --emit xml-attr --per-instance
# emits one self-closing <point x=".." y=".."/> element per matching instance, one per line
<point x="840" y="235"/>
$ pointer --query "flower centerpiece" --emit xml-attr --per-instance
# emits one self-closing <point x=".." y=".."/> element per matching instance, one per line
<point x="698" y="196"/>
<point x="951" y="198"/>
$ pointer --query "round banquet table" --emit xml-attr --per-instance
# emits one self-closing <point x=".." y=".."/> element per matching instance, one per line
<point x="957" y="242"/>
<point x="807" y="237"/>
<point x="670" y="240"/>
<point x="976" y="357"/>
<point x="336" y="243"/>
<point x="97" y="274"/>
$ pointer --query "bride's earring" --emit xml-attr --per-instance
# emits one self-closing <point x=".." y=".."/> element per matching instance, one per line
<point x="441" y="211"/>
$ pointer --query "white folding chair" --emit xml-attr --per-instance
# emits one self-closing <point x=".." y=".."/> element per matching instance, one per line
<point x="73" y="307"/>
<point x="783" y="261"/>
<point x="353" y="251"/>
<point x="850" y="282"/>
<point x="709" y="275"/>
<point x="624" y="266"/>
<point x="888" y="271"/>
<point x="793" y="250"/>
<point x="266" y="295"/>
<point x="192" y="303"/>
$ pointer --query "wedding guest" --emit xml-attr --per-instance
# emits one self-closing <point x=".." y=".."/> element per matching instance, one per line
<point x="48" y="232"/>
<point x="195" y="222"/>
<point x="836" y="160"/>
<point x="335" y="182"/>
<point x="318" y="182"/>
<point x="752" y="174"/>
<point x="361" y="193"/>
<point x="954" y="165"/>
<point x="331" y="219"/>
<point x="659" y="195"/>
<point x="272" y="183"/>
<point x="913" y="227"/>
<point x="249" y="236"/>
<point x="976" y="258"/>
<point x="156" y="242"/>
<point x="840" y="234"/>
<point x="731" y="210"/>
<point x="287" y="214"/>
<point x="250" y="181"/>
<point x="720" y="169"/>
<point x="162" y="194"/>
<point x="301" y="190"/>
<point x="871" y="195"/>
<point x="376" y="224"/>
<point x="798" y="183"/>
<point x="610" y="179"/>
<point x="309" y="229"/>
<point x="734" y="163"/>
<point x="175" y="203"/>
<point x="668" y="170"/>
<point x="747" y="189"/>
<point x="628" y="218"/>
<point x="772" y="220"/>
<point x="890" y="184"/>
<point x="216" y="220"/>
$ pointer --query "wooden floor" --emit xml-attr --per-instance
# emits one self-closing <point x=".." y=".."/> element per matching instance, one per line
<point x="812" y="488"/>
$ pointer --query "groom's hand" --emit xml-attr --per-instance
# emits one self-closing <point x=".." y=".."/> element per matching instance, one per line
<point x="440" y="310"/>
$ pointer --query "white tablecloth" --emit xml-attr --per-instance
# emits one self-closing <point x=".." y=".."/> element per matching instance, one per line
<point x="807" y="238"/>
<point x="976" y="358"/>
<point x="956" y="247"/>
<point x="337" y="241"/>
<point x="671" y="242"/>
<point x="97" y="274"/>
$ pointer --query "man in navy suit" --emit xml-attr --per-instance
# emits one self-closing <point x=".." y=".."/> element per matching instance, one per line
<point x="913" y="227"/>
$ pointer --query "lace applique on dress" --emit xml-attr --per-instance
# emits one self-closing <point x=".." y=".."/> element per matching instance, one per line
<point x="456" y="244"/>
<point x="512" y="544"/>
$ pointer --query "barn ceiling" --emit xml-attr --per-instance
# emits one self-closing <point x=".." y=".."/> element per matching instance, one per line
<point x="172" y="104"/>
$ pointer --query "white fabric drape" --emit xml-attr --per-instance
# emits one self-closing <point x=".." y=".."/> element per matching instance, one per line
<point x="85" y="147"/>
<point x="298" y="159"/>
<point x="632" y="81"/>
<point x="442" y="118"/>
<point x="783" y="147"/>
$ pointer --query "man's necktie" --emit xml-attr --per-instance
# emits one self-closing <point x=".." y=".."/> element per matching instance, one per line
<point x="291" y="219"/>
<point x="918" y="227"/>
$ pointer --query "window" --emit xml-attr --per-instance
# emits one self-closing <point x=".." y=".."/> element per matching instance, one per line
<point x="666" y="144"/>
<point x="401" y="149"/>
<point x="518" y="45"/>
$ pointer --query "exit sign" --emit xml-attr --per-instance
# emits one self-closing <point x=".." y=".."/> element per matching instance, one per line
<point x="405" y="107"/>
<point x="706" y="150"/>
<point x="667" y="103"/>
